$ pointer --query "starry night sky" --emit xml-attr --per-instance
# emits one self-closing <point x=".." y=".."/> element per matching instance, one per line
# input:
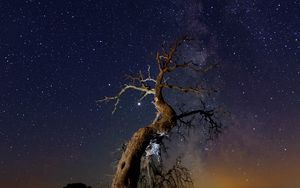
<point x="59" y="57"/>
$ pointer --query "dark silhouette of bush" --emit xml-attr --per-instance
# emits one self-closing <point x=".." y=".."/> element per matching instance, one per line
<point x="77" y="185"/>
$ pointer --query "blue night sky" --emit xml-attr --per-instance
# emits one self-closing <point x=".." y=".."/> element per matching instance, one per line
<point x="59" y="57"/>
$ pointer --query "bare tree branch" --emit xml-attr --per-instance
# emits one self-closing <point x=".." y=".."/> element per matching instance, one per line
<point x="145" y="90"/>
<point x="193" y="66"/>
<point x="198" y="91"/>
<point x="140" y="79"/>
<point x="164" y="59"/>
<point x="207" y="115"/>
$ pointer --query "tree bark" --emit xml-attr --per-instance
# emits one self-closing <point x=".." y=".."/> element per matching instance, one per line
<point x="128" y="168"/>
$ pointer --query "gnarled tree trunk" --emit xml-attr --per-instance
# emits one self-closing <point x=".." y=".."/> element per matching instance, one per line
<point x="128" y="169"/>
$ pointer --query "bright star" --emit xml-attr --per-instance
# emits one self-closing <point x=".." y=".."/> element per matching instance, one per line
<point x="139" y="103"/>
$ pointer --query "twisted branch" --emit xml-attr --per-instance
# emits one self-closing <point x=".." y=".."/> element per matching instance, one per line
<point x="145" y="90"/>
<point x="197" y="91"/>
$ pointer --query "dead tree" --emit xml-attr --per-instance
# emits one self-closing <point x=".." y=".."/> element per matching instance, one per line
<point x="144" y="141"/>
